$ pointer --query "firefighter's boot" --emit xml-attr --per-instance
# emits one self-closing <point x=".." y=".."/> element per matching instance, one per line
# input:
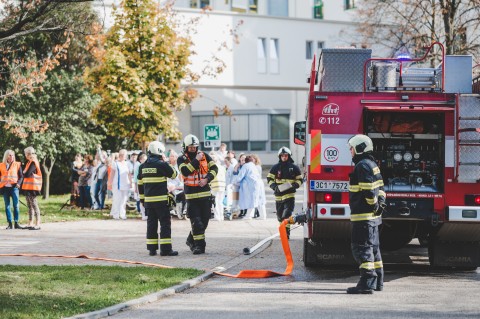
<point x="152" y="252"/>
<point x="357" y="290"/>
<point x="198" y="250"/>
<point x="169" y="253"/>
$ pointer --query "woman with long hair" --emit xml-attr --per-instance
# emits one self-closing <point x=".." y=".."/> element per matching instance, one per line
<point x="32" y="185"/>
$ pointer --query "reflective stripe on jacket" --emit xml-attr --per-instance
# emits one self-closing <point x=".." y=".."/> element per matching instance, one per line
<point x="9" y="176"/>
<point x="365" y="190"/>
<point x="193" y="171"/>
<point x="34" y="182"/>
<point x="152" y="181"/>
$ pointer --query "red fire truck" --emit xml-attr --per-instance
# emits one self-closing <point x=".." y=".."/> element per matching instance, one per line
<point x="425" y="126"/>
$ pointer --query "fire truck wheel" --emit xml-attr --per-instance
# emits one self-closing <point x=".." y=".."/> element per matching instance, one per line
<point x="309" y="259"/>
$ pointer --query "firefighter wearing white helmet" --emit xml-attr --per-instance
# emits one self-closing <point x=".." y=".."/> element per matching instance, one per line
<point x="152" y="187"/>
<point x="198" y="170"/>
<point x="367" y="202"/>
<point x="284" y="178"/>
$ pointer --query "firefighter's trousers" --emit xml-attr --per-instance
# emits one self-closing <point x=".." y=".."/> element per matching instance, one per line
<point x="285" y="210"/>
<point x="366" y="251"/>
<point x="159" y="214"/>
<point x="199" y="211"/>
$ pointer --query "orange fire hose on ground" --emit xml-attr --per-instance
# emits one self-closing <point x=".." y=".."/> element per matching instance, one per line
<point x="268" y="273"/>
<point x="242" y="274"/>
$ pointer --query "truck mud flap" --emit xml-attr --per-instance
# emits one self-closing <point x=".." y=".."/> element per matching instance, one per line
<point x="327" y="252"/>
<point x="464" y="255"/>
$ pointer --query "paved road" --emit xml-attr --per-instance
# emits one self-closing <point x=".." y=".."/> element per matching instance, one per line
<point x="411" y="290"/>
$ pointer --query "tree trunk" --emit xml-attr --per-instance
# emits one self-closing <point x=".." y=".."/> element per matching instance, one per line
<point x="46" y="179"/>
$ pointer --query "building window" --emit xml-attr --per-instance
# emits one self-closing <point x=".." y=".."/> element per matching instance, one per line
<point x="277" y="8"/>
<point x="245" y="6"/>
<point x="274" y="56"/>
<point x="318" y="9"/>
<point x="262" y="55"/>
<point x="247" y="132"/>
<point x="199" y="3"/>
<point x="279" y="131"/>
<point x="309" y="50"/>
<point x="349" y="4"/>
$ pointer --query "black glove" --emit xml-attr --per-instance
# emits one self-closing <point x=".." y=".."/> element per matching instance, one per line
<point x="300" y="218"/>
<point x="295" y="185"/>
<point x="273" y="186"/>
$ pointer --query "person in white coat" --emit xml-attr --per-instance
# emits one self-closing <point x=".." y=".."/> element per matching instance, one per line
<point x="120" y="180"/>
<point x="248" y="180"/>
<point x="218" y="188"/>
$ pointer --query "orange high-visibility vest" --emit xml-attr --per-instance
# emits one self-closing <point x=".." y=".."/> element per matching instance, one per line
<point x="194" y="178"/>
<point x="33" y="183"/>
<point x="10" y="175"/>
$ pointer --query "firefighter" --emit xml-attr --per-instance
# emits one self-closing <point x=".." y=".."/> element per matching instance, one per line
<point x="284" y="178"/>
<point x="198" y="170"/>
<point x="153" y="193"/>
<point x="367" y="202"/>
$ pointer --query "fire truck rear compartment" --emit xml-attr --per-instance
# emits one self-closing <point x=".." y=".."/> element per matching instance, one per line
<point x="409" y="148"/>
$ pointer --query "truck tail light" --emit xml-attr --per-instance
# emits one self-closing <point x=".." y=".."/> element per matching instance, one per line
<point x="337" y="211"/>
<point x="472" y="200"/>
<point x="321" y="197"/>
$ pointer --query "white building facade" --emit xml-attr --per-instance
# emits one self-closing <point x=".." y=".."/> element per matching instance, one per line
<point x="264" y="83"/>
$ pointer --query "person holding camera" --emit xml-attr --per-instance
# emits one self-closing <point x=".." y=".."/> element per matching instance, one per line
<point x="367" y="202"/>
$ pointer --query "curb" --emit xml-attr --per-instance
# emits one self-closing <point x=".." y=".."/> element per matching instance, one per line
<point x="109" y="311"/>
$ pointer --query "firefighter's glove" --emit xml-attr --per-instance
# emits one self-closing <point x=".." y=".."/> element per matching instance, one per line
<point x="274" y="187"/>
<point x="295" y="185"/>
<point x="299" y="219"/>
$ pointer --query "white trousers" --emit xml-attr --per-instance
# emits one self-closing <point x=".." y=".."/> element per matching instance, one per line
<point x="119" y="203"/>
<point x="218" y="212"/>
<point x="263" y="212"/>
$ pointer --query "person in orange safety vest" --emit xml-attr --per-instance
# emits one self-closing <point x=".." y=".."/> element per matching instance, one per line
<point x="198" y="170"/>
<point x="32" y="185"/>
<point x="11" y="177"/>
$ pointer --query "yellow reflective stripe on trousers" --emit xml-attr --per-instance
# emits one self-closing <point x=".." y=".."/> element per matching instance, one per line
<point x="142" y="196"/>
<point x="147" y="180"/>
<point x="284" y="197"/>
<point x="164" y="241"/>
<point x="199" y="237"/>
<point x="198" y="195"/>
<point x="152" y="241"/>
<point x="362" y="217"/>
<point x="151" y="199"/>
<point x="378" y="264"/>
<point x="367" y="265"/>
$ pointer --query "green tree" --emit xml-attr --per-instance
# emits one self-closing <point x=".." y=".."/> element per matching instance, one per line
<point x="65" y="103"/>
<point x="139" y="73"/>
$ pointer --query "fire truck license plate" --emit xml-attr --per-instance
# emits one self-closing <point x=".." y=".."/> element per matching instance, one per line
<point x="339" y="186"/>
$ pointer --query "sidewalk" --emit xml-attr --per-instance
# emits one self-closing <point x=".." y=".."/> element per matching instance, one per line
<point x="125" y="240"/>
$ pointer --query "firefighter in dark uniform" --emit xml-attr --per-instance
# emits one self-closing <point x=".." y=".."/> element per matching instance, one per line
<point x="367" y="202"/>
<point x="198" y="170"/>
<point x="283" y="174"/>
<point x="152" y="188"/>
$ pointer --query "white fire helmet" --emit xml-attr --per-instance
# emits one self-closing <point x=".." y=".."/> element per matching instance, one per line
<point x="190" y="140"/>
<point x="361" y="144"/>
<point x="156" y="148"/>
<point x="284" y="150"/>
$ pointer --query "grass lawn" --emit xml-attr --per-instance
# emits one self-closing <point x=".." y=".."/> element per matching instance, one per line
<point x="62" y="291"/>
<point x="52" y="211"/>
